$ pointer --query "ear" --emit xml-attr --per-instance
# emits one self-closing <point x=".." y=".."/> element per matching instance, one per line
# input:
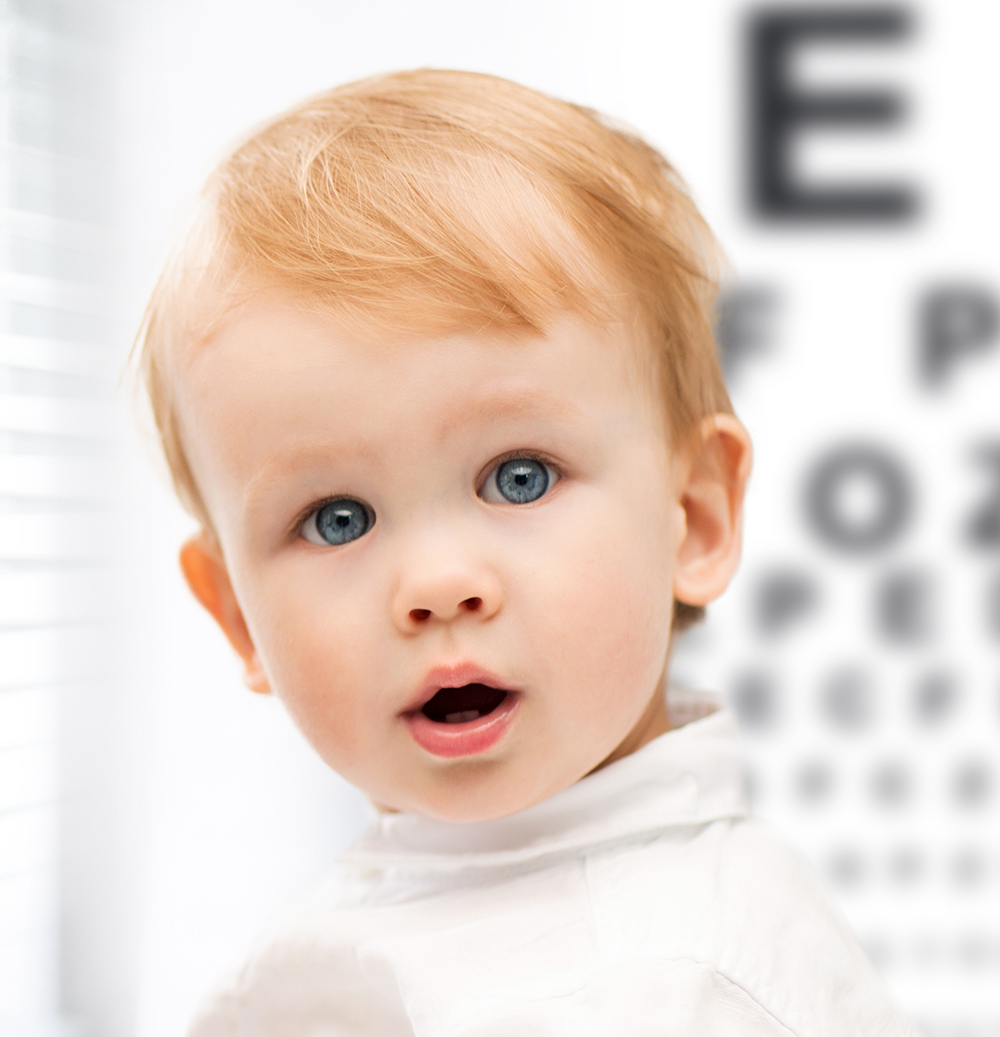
<point x="711" y="483"/>
<point x="205" y="571"/>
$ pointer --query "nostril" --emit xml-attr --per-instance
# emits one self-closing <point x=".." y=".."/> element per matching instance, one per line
<point x="473" y="604"/>
<point x="420" y="615"/>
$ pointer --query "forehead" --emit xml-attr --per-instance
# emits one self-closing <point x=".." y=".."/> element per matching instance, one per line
<point x="280" y="380"/>
<point x="271" y="342"/>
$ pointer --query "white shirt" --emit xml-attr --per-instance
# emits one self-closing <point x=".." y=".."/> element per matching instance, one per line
<point x="640" y="902"/>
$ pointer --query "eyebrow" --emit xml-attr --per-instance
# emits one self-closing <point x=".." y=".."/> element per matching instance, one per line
<point x="301" y="459"/>
<point x="516" y="404"/>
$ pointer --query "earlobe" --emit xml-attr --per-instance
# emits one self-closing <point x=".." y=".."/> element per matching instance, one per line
<point x="710" y="497"/>
<point x="205" y="571"/>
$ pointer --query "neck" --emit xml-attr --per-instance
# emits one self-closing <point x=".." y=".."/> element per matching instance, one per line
<point x="655" y="721"/>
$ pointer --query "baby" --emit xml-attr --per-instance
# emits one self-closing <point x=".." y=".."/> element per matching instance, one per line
<point x="435" y="373"/>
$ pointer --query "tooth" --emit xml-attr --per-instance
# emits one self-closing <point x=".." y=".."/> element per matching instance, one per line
<point x="458" y="718"/>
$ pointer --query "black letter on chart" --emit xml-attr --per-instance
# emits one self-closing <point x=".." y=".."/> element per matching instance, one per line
<point x="984" y="526"/>
<point x="742" y="325"/>
<point x="903" y="607"/>
<point x="829" y="511"/>
<point x="779" y="112"/>
<point x="782" y="597"/>
<point x="954" y="322"/>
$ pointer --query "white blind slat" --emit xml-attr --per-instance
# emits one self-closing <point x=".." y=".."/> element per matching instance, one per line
<point x="75" y="535"/>
<point x="62" y="356"/>
<point x="27" y="840"/>
<point x="86" y="300"/>
<point x="36" y="598"/>
<point x="35" y="657"/>
<point x="27" y="717"/>
<point x="87" y="419"/>
<point x="28" y="777"/>
<point x="77" y="478"/>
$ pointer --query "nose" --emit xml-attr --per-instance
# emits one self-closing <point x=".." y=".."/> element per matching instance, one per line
<point x="445" y="589"/>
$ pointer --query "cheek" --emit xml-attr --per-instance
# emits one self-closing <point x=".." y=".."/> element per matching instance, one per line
<point x="602" y="593"/>
<point x="624" y="616"/>
<point x="320" y="655"/>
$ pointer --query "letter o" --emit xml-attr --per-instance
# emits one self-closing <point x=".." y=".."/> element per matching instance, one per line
<point x="824" y="498"/>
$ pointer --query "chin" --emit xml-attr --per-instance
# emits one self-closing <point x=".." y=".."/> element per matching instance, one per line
<point x="489" y="795"/>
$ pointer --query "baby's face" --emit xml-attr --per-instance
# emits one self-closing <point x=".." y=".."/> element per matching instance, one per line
<point x="453" y="556"/>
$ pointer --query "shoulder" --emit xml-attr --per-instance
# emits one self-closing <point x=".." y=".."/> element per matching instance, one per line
<point x="306" y="978"/>
<point x="737" y="898"/>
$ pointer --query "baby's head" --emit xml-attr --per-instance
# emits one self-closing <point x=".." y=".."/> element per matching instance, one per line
<point x="435" y="372"/>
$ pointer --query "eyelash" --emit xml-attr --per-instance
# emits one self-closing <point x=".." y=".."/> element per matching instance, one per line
<point x="511" y="455"/>
<point x="295" y="529"/>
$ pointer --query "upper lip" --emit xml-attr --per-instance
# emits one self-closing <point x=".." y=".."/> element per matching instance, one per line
<point x="453" y="676"/>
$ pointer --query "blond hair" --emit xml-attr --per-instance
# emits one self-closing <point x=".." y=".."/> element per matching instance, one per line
<point x="433" y="201"/>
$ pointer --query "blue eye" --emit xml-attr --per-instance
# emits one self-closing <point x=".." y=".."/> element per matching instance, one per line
<point x="520" y="480"/>
<point x="338" y="522"/>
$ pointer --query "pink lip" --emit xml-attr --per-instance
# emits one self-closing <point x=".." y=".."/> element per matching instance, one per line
<point x="470" y="738"/>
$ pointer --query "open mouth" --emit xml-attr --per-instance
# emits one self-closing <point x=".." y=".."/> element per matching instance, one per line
<point x="460" y="705"/>
<point x="451" y="720"/>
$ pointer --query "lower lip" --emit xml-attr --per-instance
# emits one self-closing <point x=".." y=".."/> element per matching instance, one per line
<point x="470" y="738"/>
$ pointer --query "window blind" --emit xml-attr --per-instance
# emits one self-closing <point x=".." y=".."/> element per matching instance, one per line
<point x="55" y="463"/>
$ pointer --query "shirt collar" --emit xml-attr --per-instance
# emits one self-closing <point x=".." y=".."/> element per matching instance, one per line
<point x="689" y="776"/>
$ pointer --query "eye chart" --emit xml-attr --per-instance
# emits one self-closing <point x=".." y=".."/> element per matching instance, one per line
<point x="860" y="644"/>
